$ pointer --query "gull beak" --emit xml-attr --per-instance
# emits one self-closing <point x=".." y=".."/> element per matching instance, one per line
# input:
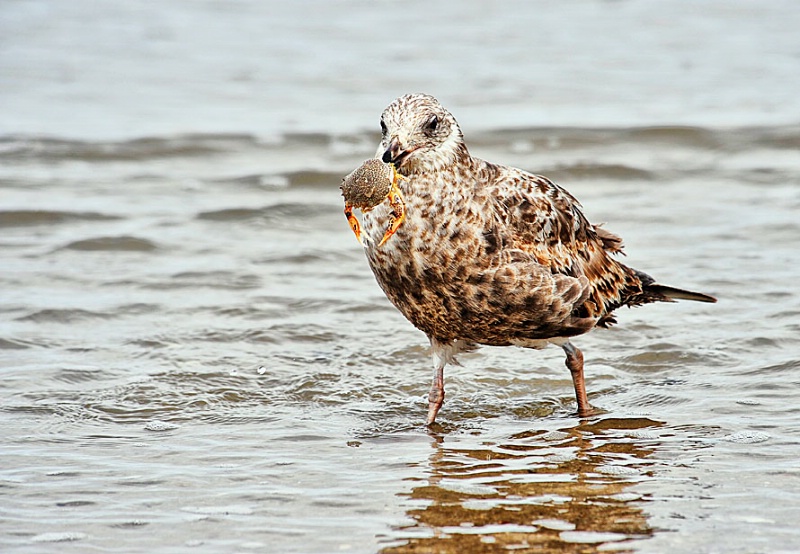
<point x="395" y="153"/>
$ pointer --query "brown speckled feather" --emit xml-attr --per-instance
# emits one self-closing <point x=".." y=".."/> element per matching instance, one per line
<point x="511" y="257"/>
<point x="543" y="219"/>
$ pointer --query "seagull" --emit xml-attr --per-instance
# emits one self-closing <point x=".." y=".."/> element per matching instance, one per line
<point x="491" y="255"/>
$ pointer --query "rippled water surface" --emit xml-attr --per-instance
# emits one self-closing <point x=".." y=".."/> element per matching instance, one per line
<point x="194" y="355"/>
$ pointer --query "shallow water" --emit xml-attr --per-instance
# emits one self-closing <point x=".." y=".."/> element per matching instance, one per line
<point x="195" y="355"/>
<point x="199" y="356"/>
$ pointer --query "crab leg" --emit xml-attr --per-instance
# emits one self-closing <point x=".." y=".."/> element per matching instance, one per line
<point x="398" y="212"/>
<point x="354" y="224"/>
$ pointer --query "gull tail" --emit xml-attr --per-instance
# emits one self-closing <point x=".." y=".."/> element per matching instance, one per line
<point x="672" y="293"/>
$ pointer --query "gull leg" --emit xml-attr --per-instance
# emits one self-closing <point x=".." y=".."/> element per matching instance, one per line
<point x="574" y="362"/>
<point x="436" y="394"/>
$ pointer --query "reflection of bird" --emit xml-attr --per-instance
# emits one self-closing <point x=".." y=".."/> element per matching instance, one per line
<point x="490" y="254"/>
<point x="495" y="505"/>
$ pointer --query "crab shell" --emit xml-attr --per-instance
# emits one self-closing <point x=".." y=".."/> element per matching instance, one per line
<point x="369" y="184"/>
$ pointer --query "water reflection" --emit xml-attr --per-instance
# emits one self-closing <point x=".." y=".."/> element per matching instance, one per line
<point x="537" y="491"/>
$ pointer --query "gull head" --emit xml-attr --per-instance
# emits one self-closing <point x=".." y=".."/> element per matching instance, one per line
<point x="418" y="135"/>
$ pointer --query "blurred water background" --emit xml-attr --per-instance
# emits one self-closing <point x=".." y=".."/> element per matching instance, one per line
<point x="194" y="355"/>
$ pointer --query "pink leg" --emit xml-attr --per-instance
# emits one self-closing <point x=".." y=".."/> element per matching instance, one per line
<point x="436" y="395"/>
<point x="574" y="362"/>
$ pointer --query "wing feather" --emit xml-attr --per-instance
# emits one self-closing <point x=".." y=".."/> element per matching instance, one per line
<point x="536" y="216"/>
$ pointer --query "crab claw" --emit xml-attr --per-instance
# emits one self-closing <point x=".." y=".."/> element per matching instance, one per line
<point x="354" y="224"/>
<point x="398" y="212"/>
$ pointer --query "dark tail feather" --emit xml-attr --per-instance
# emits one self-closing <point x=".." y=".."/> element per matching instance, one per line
<point x="672" y="293"/>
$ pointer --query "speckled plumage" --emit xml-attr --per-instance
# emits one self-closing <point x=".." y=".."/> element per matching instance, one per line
<point x="489" y="254"/>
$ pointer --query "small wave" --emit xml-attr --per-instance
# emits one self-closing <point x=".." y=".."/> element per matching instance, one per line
<point x="10" y="344"/>
<point x="69" y="315"/>
<point x="122" y="243"/>
<point x="599" y="171"/>
<point x="219" y="510"/>
<point x="696" y="137"/>
<point x="746" y="437"/>
<point x="163" y="402"/>
<point x="303" y="258"/>
<point x="789" y="366"/>
<point x="293" y="332"/>
<point x="570" y="138"/>
<point x="44" y="149"/>
<point x="22" y="218"/>
<point x="76" y="375"/>
<point x="277" y="212"/>
<point x="59" y="537"/>
<point x="257" y="181"/>
<point x="158" y="426"/>
<point x="213" y="279"/>
<point x="311" y="179"/>
<point x="232" y="336"/>
<point x="132" y="524"/>
<point x="658" y="358"/>
<point x="231" y="214"/>
<point x="651" y="400"/>
<point x="693" y="137"/>
<point x="779" y="137"/>
<point x="75" y="503"/>
<point x="53" y="315"/>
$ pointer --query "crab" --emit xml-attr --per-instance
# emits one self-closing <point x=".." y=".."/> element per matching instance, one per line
<point x="369" y="185"/>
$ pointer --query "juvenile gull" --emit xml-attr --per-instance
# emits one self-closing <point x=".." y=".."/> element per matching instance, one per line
<point x="488" y="254"/>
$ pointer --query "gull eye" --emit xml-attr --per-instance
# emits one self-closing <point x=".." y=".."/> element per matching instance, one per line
<point x="431" y="124"/>
<point x="383" y="127"/>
